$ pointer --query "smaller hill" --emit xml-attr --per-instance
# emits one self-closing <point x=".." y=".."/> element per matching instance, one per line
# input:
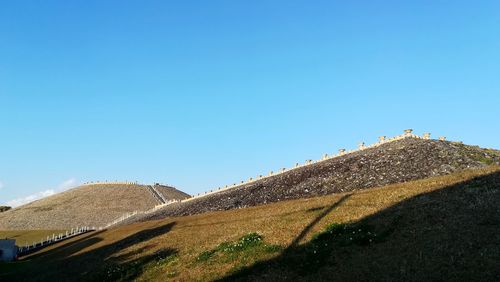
<point x="91" y="205"/>
<point x="4" y="208"/>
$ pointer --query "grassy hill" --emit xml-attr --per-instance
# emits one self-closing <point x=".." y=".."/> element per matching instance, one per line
<point x="87" y="205"/>
<point x="442" y="228"/>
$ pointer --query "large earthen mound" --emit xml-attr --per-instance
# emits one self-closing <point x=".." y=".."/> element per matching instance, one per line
<point x="394" y="162"/>
<point x="88" y="205"/>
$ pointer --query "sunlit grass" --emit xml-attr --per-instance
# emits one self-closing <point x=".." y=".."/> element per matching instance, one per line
<point x="208" y="246"/>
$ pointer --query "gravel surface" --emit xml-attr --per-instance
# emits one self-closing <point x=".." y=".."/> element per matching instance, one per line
<point x="171" y="193"/>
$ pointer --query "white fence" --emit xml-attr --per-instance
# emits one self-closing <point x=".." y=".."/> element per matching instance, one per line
<point x="134" y="213"/>
<point x="54" y="239"/>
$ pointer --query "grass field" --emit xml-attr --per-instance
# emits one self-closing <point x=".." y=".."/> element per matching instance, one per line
<point x="24" y="237"/>
<point x="442" y="228"/>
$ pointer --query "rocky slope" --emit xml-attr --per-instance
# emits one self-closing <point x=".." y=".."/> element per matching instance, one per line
<point x="399" y="161"/>
<point x="88" y="205"/>
<point x="171" y="193"/>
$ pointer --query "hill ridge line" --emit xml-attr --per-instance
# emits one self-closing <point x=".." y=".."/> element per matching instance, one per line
<point x="111" y="183"/>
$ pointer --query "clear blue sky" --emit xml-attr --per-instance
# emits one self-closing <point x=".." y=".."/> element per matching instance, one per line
<point x="200" y="94"/>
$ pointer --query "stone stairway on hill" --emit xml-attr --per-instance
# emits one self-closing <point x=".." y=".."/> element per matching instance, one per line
<point x="156" y="194"/>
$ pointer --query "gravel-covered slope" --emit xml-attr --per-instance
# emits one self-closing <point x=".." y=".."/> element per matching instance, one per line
<point x="394" y="162"/>
<point x="88" y="205"/>
<point x="170" y="193"/>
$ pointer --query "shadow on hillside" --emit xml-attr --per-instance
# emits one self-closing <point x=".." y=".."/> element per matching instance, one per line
<point x="446" y="235"/>
<point x="104" y="263"/>
<point x="308" y="228"/>
<point x="82" y="241"/>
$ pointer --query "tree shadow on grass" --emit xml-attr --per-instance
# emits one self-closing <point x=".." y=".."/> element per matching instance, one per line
<point x="67" y="248"/>
<point x="104" y="263"/>
<point x="324" y="213"/>
<point x="446" y="235"/>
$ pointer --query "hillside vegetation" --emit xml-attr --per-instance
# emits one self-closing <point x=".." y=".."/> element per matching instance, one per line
<point x="4" y="208"/>
<point x="441" y="228"/>
<point x="395" y="162"/>
<point x="88" y="205"/>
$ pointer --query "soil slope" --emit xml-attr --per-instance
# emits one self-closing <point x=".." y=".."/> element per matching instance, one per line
<point x="88" y="205"/>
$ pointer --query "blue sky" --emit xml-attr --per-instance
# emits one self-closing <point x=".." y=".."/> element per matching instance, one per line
<point x="199" y="94"/>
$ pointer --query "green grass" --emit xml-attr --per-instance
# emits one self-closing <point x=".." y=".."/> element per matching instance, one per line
<point x="345" y="234"/>
<point x="485" y="156"/>
<point x="129" y="271"/>
<point x="247" y="247"/>
<point x="485" y="160"/>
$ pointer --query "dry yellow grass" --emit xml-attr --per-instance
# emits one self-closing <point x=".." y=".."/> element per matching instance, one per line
<point x="279" y="223"/>
<point x="24" y="237"/>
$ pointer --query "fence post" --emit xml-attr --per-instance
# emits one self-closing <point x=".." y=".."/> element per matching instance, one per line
<point x="361" y="145"/>
<point x="407" y="132"/>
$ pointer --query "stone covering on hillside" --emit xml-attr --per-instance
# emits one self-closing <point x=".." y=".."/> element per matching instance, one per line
<point x="171" y="193"/>
<point x="87" y="205"/>
<point x="399" y="161"/>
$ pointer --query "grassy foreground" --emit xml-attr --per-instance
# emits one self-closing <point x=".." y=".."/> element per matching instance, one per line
<point x="442" y="228"/>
